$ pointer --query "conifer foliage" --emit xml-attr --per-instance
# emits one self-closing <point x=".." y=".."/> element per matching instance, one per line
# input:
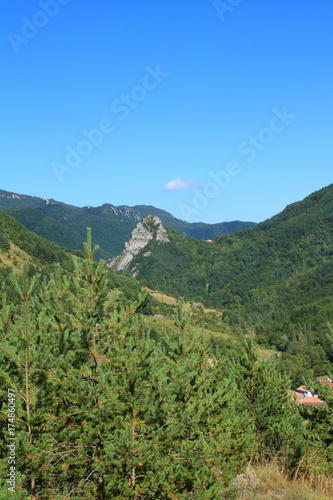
<point x="105" y="411"/>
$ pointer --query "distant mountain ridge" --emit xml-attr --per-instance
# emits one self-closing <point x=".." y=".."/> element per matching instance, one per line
<point x="111" y="225"/>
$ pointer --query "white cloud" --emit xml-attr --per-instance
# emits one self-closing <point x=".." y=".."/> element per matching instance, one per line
<point x="178" y="184"/>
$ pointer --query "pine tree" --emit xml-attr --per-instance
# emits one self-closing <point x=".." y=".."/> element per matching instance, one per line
<point x="206" y="437"/>
<point x="278" y="426"/>
<point x="25" y="357"/>
<point x="90" y="324"/>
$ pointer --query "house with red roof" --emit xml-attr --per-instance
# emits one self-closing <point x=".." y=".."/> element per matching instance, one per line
<point x="302" y="395"/>
<point x="326" y="380"/>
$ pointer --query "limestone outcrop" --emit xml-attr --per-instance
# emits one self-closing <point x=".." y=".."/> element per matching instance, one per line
<point x="149" y="228"/>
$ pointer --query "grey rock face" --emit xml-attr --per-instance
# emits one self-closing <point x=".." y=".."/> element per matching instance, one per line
<point x="149" y="228"/>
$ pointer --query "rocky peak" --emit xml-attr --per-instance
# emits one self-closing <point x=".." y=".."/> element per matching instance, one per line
<point x="149" y="228"/>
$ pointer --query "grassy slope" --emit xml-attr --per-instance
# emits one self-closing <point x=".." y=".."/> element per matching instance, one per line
<point x="270" y="482"/>
<point x="37" y="248"/>
<point x="13" y="258"/>
<point x="206" y="320"/>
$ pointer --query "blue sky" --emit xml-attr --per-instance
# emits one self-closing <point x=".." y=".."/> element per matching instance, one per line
<point x="213" y="111"/>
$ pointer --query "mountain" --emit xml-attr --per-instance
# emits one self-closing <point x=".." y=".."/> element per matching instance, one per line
<point x="198" y="230"/>
<point x="296" y="240"/>
<point x="111" y="226"/>
<point x="171" y="401"/>
<point x="150" y="228"/>
<point x="275" y="279"/>
<point x="17" y="243"/>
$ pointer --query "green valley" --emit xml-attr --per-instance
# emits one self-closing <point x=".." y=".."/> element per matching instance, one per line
<point x="183" y="362"/>
<point x="275" y="279"/>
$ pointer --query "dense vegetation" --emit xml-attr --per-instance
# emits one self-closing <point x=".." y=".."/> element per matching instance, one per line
<point x="67" y="225"/>
<point x="38" y="248"/>
<point x="275" y="279"/>
<point x="104" y="410"/>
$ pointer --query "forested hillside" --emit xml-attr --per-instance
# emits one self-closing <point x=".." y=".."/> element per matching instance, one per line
<point x="100" y="408"/>
<point x="276" y="279"/>
<point x="112" y="226"/>
<point x="67" y="226"/>
<point x="39" y="249"/>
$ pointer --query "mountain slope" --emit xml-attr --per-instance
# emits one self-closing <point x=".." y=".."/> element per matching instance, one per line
<point x="43" y="224"/>
<point x="297" y="240"/>
<point x="8" y="199"/>
<point x="111" y="225"/>
<point x="198" y="230"/>
<point x="276" y="278"/>
<point x="68" y="226"/>
<point x="150" y="228"/>
<point x="15" y="237"/>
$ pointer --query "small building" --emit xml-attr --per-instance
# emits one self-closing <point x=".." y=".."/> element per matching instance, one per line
<point x="326" y="381"/>
<point x="303" y="391"/>
<point x="302" y="395"/>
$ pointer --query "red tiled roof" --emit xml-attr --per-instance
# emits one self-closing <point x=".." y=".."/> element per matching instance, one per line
<point x="327" y="382"/>
<point x="312" y="401"/>
<point x="302" y="389"/>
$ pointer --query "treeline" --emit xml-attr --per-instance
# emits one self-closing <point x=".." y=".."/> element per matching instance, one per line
<point x="103" y="410"/>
